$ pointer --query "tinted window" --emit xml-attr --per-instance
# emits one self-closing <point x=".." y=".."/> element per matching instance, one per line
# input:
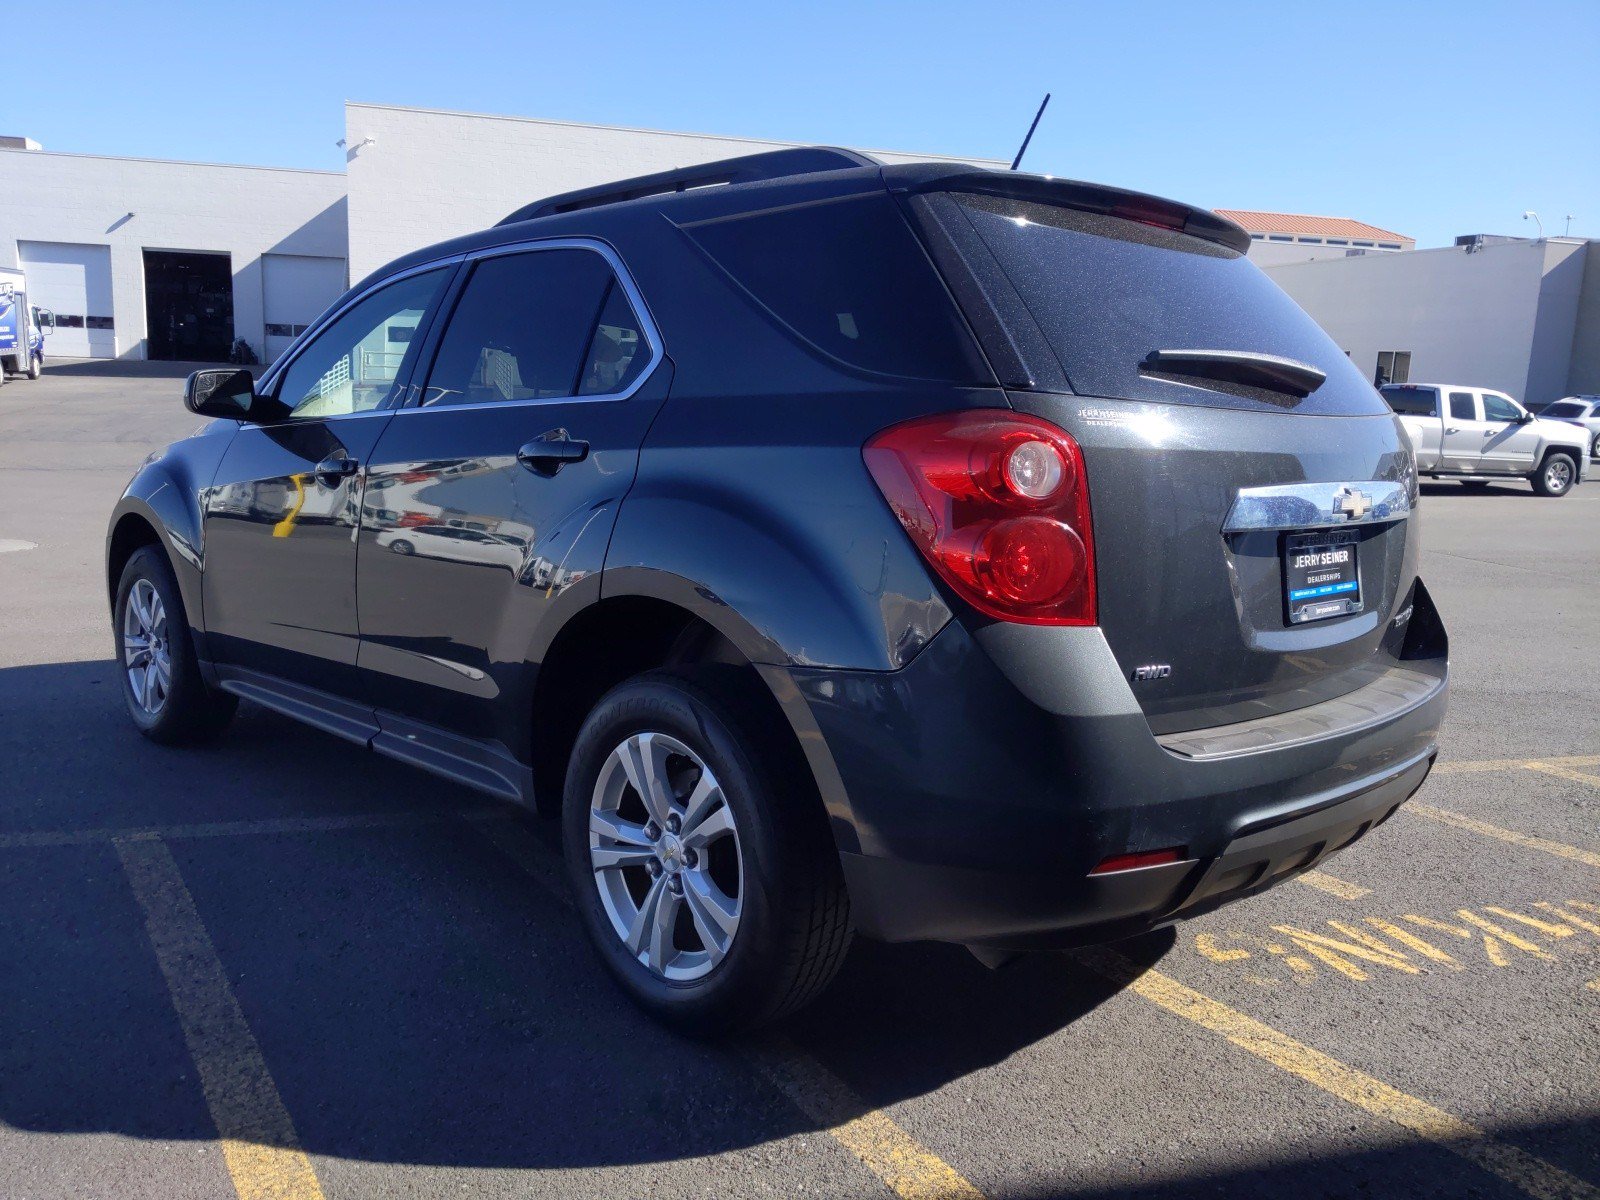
<point x="1565" y="408"/>
<point x="848" y="278"/>
<point x="618" y="351"/>
<point x="1498" y="408"/>
<point x="1461" y="407"/>
<point x="1412" y="401"/>
<point x="537" y="325"/>
<point x="1107" y="292"/>
<point x="356" y="362"/>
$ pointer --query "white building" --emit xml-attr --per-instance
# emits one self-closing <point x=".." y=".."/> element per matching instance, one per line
<point x="142" y="258"/>
<point x="1517" y="315"/>
<point x="419" y="175"/>
<point x="1295" y="237"/>
<point x="150" y="259"/>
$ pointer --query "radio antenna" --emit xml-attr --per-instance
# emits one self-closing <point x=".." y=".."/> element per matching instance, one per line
<point x="1017" y="161"/>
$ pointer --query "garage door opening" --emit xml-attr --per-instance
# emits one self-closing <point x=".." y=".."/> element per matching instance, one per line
<point x="188" y="306"/>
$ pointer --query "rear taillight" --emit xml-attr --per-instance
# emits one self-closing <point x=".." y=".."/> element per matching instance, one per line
<point x="998" y="503"/>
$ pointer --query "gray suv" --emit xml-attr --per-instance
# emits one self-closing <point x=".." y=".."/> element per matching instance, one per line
<point x="921" y="552"/>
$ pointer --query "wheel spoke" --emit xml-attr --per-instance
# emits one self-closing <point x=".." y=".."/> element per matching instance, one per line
<point x="709" y="829"/>
<point x="715" y="915"/>
<point x="705" y="796"/>
<point x="645" y="761"/>
<point x="650" y="936"/>
<point x="147" y="688"/>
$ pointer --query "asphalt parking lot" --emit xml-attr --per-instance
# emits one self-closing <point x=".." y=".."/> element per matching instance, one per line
<point x="288" y="968"/>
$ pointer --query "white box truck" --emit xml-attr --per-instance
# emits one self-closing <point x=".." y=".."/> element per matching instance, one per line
<point x="23" y="327"/>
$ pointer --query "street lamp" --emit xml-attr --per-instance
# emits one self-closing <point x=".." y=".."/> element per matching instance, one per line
<point x="1530" y="215"/>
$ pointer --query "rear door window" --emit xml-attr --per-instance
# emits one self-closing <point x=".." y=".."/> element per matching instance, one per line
<point x="1107" y="292"/>
<point x="1565" y="408"/>
<point x="1462" y="407"/>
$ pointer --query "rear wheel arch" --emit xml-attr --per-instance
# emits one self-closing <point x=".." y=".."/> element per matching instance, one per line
<point x="613" y="640"/>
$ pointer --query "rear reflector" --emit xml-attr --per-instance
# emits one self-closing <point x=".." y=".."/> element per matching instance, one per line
<point x="1132" y="862"/>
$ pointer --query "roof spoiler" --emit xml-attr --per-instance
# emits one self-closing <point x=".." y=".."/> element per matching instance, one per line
<point x="750" y="168"/>
<point x="1072" y="193"/>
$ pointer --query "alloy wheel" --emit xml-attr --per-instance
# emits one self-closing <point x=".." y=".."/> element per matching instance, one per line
<point x="664" y="849"/>
<point x="1558" y="475"/>
<point x="146" y="651"/>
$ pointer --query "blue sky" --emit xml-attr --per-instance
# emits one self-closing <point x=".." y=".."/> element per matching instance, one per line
<point x="1431" y="119"/>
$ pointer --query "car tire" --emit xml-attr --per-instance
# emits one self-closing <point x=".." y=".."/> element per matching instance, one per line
<point x="781" y="924"/>
<point x="161" y="683"/>
<point x="35" y="367"/>
<point x="1557" y="474"/>
<point x="1594" y="450"/>
<point x="401" y="546"/>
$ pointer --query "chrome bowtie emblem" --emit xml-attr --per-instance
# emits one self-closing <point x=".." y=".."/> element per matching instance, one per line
<point x="1351" y="504"/>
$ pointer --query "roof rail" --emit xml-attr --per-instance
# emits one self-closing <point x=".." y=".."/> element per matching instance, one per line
<point x="774" y="164"/>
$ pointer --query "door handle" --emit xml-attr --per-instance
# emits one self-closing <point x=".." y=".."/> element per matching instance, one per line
<point x="331" y="470"/>
<point x="1452" y="429"/>
<point x="551" y="451"/>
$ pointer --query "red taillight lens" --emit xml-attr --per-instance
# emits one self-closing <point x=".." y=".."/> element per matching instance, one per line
<point x="998" y="503"/>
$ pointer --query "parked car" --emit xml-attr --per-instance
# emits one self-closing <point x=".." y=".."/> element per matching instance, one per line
<point x="923" y="551"/>
<point x="1582" y="411"/>
<point x="1478" y="436"/>
<point x="454" y="543"/>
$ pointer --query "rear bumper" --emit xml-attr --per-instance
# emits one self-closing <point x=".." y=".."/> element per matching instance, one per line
<point x="974" y="791"/>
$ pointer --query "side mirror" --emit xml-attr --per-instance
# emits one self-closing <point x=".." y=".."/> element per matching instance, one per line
<point x="46" y="320"/>
<point x="225" y="393"/>
<point x="1525" y="418"/>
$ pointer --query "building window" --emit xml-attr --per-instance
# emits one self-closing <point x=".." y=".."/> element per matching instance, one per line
<point x="1309" y="241"/>
<point x="1279" y="237"/>
<point x="1366" y="244"/>
<point x="1394" y="366"/>
<point x="1388" y="245"/>
<point x="1338" y="242"/>
<point x="1256" y="237"/>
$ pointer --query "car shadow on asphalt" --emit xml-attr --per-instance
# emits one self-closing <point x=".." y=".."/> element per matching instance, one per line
<point x="416" y="995"/>
<point x="119" y="368"/>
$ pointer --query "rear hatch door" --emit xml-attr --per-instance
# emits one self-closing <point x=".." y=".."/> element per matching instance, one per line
<point x="1250" y="490"/>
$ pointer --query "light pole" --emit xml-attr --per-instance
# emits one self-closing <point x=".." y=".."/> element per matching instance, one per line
<point x="1567" y="232"/>
<point x="1530" y="215"/>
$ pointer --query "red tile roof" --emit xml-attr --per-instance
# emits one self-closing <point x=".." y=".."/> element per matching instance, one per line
<point x="1299" y="223"/>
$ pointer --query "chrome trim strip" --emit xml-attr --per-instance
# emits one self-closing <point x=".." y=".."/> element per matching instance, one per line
<point x="1312" y="505"/>
<point x="647" y="326"/>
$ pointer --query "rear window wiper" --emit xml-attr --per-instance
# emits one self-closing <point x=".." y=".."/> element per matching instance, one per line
<point x="1244" y="367"/>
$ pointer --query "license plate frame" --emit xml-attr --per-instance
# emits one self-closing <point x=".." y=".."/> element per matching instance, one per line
<point x="1321" y="575"/>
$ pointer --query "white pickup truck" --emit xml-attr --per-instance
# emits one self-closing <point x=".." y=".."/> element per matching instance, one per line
<point x="1477" y="436"/>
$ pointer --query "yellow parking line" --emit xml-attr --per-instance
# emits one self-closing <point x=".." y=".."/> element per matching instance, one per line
<point x="907" y="1168"/>
<point x="1461" y="821"/>
<point x="1510" y="1163"/>
<point x="1474" y="766"/>
<point x="259" y="1143"/>
<point x="1334" y="886"/>
<point x="1549" y="768"/>
<point x="888" y="1151"/>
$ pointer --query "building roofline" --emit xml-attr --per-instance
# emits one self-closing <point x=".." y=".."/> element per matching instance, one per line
<point x="170" y="162"/>
<point x="709" y="137"/>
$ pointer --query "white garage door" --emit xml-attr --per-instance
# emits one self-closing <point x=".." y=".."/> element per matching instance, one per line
<point x="297" y="289"/>
<point x="75" y="281"/>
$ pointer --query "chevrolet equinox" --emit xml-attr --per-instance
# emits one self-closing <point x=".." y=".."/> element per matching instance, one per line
<point x="922" y="551"/>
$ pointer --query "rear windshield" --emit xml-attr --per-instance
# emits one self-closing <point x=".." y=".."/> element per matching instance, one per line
<point x="1107" y="292"/>
<point x="1565" y="408"/>
<point x="1411" y="401"/>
